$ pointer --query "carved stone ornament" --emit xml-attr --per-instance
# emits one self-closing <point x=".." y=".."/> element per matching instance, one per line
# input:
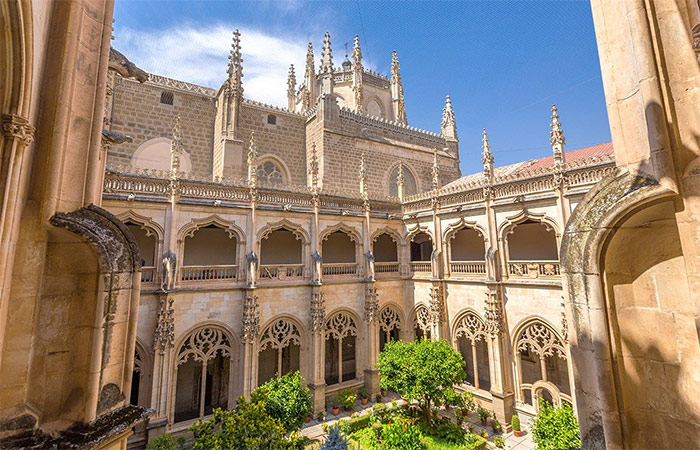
<point x="282" y="333"/>
<point x="318" y="312"/>
<point x="371" y="305"/>
<point x="541" y="340"/>
<point x="165" y="325"/>
<point x="422" y="319"/>
<point x="17" y="127"/>
<point x="437" y="310"/>
<point x="471" y="327"/>
<point x="203" y="345"/>
<point x="494" y="313"/>
<point x="340" y="325"/>
<point x="251" y="317"/>
<point x="389" y="319"/>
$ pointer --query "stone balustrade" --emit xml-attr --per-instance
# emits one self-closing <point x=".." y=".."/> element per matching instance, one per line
<point x="148" y="274"/>
<point x="332" y="269"/>
<point x="386" y="267"/>
<point x="208" y="273"/>
<point x="281" y="271"/>
<point x="421" y="267"/>
<point x="467" y="268"/>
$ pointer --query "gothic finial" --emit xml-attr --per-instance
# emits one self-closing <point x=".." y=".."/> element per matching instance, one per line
<point x="436" y="170"/>
<point x="397" y="91"/>
<point x="326" y="55"/>
<point x="235" y="63"/>
<point x="252" y="161"/>
<point x="356" y="51"/>
<point x="363" y="176"/>
<point x="291" y="88"/>
<point x="176" y="146"/>
<point x="310" y="68"/>
<point x="556" y="137"/>
<point x="313" y="168"/>
<point x="486" y="155"/>
<point x="449" y="123"/>
<point x="400" y="181"/>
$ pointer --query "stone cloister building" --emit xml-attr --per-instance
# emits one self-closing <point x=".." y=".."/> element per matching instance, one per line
<point x="276" y="239"/>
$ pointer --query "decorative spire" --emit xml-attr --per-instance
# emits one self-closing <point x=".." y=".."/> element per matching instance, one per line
<point x="363" y="177"/>
<point x="556" y="138"/>
<point x="400" y="181"/>
<point x="436" y="171"/>
<point x="176" y="148"/>
<point x="326" y="55"/>
<point x="397" y="90"/>
<point x="487" y="156"/>
<point x="449" y="123"/>
<point x="235" y="64"/>
<point x="310" y="67"/>
<point x="252" y="161"/>
<point x="291" y="88"/>
<point x="357" y="71"/>
<point x="356" y="51"/>
<point x="313" y="168"/>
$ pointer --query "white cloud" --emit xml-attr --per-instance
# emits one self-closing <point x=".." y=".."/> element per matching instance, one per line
<point x="200" y="56"/>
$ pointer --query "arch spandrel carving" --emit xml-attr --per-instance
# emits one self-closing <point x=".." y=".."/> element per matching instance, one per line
<point x="288" y="225"/>
<point x="389" y="319"/>
<point x="151" y="227"/>
<point x="233" y="230"/>
<point x="341" y="325"/>
<point x="470" y="326"/>
<point x="349" y="230"/>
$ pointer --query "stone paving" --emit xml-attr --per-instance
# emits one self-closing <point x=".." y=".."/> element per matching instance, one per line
<point x="314" y="429"/>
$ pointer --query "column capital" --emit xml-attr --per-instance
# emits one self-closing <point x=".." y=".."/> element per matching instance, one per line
<point x="17" y="127"/>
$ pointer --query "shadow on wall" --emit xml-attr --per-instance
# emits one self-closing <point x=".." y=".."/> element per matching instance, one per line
<point x="654" y="340"/>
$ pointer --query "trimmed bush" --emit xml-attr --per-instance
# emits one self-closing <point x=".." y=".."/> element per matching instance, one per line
<point x="286" y="398"/>
<point x="355" y="424"/>
<point x="515" y="422"/>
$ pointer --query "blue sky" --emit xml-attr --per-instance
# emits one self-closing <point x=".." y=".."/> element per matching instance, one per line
<point x="502" y="62"/>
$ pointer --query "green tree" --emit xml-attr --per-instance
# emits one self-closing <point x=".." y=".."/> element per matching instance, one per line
<point x="164" y="442"/>
<point x="555" y="428"/>
<point x="248" y="427"/>
<point x="424" y="370"/>
<point x="286" y="398"/>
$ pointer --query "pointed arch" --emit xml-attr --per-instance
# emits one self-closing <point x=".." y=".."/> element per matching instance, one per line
<point x="392" y="232"/>
<point x="146" y="223"/>
<point x="340" y="226"/>
<point x="421" y="320"/>
<point x="470" y="324"/>
<point x="390" y="175"/>
<point x="413" y="230"/>
<point x="279" y="164"/>
<point x="280" y="347"/>
<point x="342" y="330"/>
<point x="509" y="224"/>
<point x="537" y="334"/>
<point x="233" y="230"/>
<point x="462" y="223"/>
<point x="295" y="228"/>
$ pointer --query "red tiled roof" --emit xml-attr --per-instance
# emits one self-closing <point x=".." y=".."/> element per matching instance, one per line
<point x="571" y="156"/>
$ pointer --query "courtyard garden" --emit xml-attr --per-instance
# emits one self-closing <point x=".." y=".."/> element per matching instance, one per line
<point x="426" y="413"/>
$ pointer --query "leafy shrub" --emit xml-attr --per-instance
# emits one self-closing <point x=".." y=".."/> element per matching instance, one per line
<point x="515" y="422"/>
<point x="496" y="426"/>
<point x="483" y="414"/>
<point x="363" y="393"/>
<point x="468" y="405"/>
<point x="286" y="398"/>
<point x="347" y="397"/>
<point x="401" y="434"/>
<point x="247" y="427"/>
<point x="320" y="416"/>
<point x="335" y="441"/>
<point x="474" y="442"/>
<point x="424" y="371"/>
<point x="380" y="412"/>
<point x="555" y="428"/>
<point x="356" y="423"/>
<point x="499" y="442"/>
<point x="165" y="442"/>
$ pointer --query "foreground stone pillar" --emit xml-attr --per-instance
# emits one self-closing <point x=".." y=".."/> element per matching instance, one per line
<point x="372" y="320"/>
<point x="499" y="359"/>
<point x="317" y="383"/>
<point x="163" y="342"/>
<point x="251" y="329"/>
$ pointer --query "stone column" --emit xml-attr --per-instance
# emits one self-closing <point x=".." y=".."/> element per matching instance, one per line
<point x="249" y="338"/>
<point x="372" y="320"/>
<point x="317" y="384"/>
<point x="437" y="310"/>
<point x="499" y="359"/>
<point x="163" y="342"/>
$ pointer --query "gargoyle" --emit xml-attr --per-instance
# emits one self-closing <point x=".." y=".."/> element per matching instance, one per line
<point x="120" y="64"/>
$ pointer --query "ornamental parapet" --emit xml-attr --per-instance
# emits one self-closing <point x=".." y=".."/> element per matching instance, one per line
<point x="397" y="127"/>
<point x="580" y="173"/>
<point x="158" y="186"/>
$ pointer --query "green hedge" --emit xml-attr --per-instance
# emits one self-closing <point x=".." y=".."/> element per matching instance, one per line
<point x="478" y="443"/>
<point x="355" y="424"/>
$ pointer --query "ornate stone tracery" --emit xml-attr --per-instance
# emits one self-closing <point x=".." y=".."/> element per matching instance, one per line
<point x="389" y="319"/>
<point x="165" y="325"/>
<point x="422" y="319"/>
<point x="203" y="345"/>
<point x="340" y="325"/>
<point x="541" y="340"/>
<point x="279" y="335"/>
<point x="470" y="326"/>
<point x="371" y="304"/>
<point x="494" y="313"/>
<point x="251" y="317"/>
<point x="318" y="312"/>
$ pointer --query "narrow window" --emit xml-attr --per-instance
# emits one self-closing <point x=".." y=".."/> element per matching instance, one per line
<point x="166" y="98"/>
<point x="272" y="119"/>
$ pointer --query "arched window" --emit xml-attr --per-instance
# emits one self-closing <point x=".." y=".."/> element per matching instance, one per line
<point x="210" y="254"/>
<point x="341" y="334"/>
<point x="281" y="255"/>
<point x="421" y="247"/>
<point x="338" y="251"/>
<point x="532" y="250"/>
<point x="410" y="187"/>
<point x="466" y="251"/>
<point x="203" y="369"/>
<point x="422" y="323"/>
<point x="385" y="248"/>
<point x="374" y="109"/>
<point x="155" y="154"/>
<point x="542" y="365"/>
<point x="136" y="378"/>
<point x="470" y="338"/>
<point x="270" y="174"/>
<point x="389" y="326"/>
<point x="146" y="240"/>
<point x="280" y="345"/>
